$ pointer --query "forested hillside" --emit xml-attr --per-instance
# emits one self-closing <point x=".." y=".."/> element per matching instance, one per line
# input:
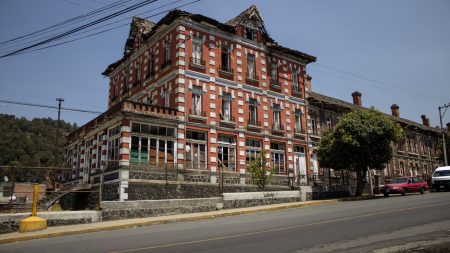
<point x="26" y="142"/>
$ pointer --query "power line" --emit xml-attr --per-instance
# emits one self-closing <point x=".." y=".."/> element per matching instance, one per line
<point x="76" y="19"/>
<point x="380" y="84"/>
<point x="100" y="32"/>
<point x="98" y="21"/>
<point x="10" y="46"/>
<point x="48" y="106"/>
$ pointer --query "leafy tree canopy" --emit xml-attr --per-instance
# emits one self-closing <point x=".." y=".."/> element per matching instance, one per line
<point x="361" y="139"/>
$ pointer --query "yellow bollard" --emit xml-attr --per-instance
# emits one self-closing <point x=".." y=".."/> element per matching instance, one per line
<point x="33" y="223"/>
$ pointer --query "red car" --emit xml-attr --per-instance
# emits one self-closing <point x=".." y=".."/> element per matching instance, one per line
<point x="403" y="185"/>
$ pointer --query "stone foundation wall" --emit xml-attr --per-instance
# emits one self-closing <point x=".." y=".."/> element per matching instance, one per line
<point x="249" y="199"/>
<point x="185" y="190"/>
<point x="116" y="210"/>
<point x="10" y="222"/>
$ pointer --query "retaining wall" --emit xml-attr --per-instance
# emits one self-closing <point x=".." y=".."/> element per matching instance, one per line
<point x="10" y="222"/>
<point x="115" y="210"/>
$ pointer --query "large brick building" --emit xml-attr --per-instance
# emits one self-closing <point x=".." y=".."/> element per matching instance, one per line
<point x="193" y="100"/>
<point x="192" y="93"/>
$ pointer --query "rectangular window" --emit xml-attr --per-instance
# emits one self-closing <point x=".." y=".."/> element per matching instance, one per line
<point x="295" y="83"/>
<point x="197" y="51"/>
<point x="298" y="120"/>
<point x="196" y="150"/>
<point x="151" y="66"/>
<point x="299" y="149"/>
<point x="167" y="60"/>
<point x="113" y="152"/>
<point x="138" y="74"/>
<point x="329" y="124"/>
<point x="251" y="68"/>
<point x="125" y="74"/>
<point x="313" y="123"/>
<point x="227" y="152"/>
<point x="273" y="72"/>
<point x="197" y="100"/>
<point x="115" y="87"/>
<point x="253" y="112"/>
<point x="166" y="98"/>
<point x="276" y="116"/>
<point x="250" y="34"/>
<point x="278" y="157"/>
<point x="252" y="149"/>
<point x="225" y="59"/>
<point x="226" y="106"/>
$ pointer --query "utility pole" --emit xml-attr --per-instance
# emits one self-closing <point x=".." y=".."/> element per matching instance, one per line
<point x="441" y="115"/>
<point x="56" y="155"/>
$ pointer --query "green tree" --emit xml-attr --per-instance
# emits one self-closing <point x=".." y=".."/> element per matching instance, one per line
<point x="440" y="149"/>
<point x="260" y="171"/>
<point x="360" y="140"/>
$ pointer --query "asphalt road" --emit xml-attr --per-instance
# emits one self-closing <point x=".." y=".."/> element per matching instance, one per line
<point x="355" y="226"/>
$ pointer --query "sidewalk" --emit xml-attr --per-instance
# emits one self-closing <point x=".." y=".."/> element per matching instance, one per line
<point x="131" y="223"/>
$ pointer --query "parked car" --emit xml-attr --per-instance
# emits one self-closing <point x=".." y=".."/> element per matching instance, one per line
<point x="404" y="185"/>
<point x="441" y="179"/>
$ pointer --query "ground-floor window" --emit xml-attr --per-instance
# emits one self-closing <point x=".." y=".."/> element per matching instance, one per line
<point x="196" y="150"/>
<point x="227" y="152"/>
<point x="154" y="151"/>
<point x="113" y="152"/>
<point x="252" y="149"/>
<point x="278" y="157"/>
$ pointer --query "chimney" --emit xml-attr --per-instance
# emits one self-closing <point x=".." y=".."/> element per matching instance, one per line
<point x="357" y="98"/>
<point x="395" y="111"/>
<point x="425" y="121"/>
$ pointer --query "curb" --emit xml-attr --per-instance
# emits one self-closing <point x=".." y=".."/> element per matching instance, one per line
<point x="165" y="220"/>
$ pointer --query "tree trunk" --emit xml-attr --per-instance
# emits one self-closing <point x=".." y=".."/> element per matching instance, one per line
<point x="361" y="182"/>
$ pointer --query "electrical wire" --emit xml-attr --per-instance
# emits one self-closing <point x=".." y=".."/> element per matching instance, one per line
<point x="103" y="31"/>
<point x="48" y="106"/>
<point x="76" y="19"/>
<point x="98" y="21"/>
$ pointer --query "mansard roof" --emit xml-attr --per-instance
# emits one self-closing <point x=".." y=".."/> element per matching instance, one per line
<point x="250" y="17"/>
<point x="338" y="105"/>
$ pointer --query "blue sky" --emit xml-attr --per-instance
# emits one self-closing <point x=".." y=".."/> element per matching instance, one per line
<point x="390" y="51"/>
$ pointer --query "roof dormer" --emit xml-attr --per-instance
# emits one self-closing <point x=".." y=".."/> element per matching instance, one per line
<point x="249" y="24"/>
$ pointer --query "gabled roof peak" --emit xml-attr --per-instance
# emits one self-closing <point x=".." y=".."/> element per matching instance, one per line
<point x="249" y="17"/>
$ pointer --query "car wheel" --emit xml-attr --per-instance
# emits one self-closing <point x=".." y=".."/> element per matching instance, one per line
<point x="404" y="192"/>
<point x="386" y="194"/>
<point x="422" y="191"/>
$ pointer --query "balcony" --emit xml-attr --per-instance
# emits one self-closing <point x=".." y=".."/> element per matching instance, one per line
<point x="297" y="91"/>
<point x="275" y="84"/>
<point x="226" y="71"/>
<point x="254" y="125"/>
<point x="252" y="79"/>
<point x="300" y="133"/>
<point x="197" y="115"/>
<point x="166" y="64"/>
<point x="277" y="129"/>
<point x="227" y="121"/>
<point x="150" y="74"/>
<point x="197" y="63"/>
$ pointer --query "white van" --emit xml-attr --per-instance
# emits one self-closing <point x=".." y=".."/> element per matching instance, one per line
<point x="441" y="179"/>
